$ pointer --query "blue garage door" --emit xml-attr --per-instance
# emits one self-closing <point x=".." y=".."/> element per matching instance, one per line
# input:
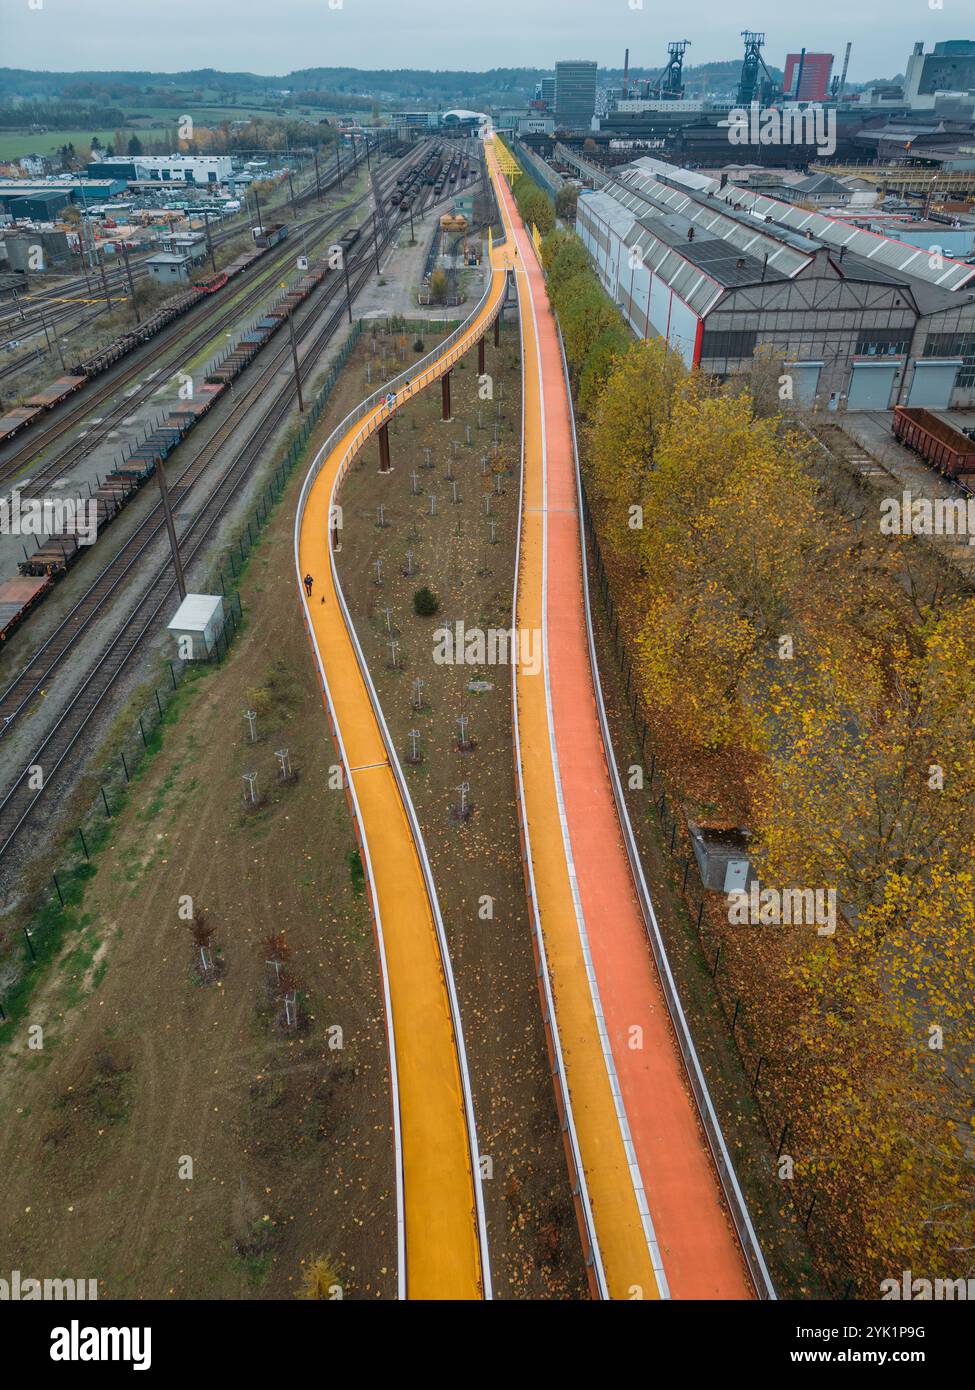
<point x="871" y="385"/>
<point x="805" y="381"/>
<point x="934" y="381"/>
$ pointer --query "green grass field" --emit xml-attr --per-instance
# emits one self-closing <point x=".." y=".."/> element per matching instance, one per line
<point x="13" y="145"/>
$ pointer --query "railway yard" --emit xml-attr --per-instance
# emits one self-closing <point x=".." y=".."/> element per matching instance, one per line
<point x="103" y="443"/>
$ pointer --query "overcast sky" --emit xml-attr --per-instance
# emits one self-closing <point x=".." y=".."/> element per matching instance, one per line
<point x="277" y="36"/>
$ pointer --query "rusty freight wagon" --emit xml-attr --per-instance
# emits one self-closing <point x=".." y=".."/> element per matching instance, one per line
<point x="935" y="440"/>
<point x="17" y="597"/>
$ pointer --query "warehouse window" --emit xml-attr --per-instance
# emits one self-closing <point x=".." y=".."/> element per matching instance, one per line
<point x="883" y="342"/>
<point x="954" y="345"/>
<point x="728" y="343"/>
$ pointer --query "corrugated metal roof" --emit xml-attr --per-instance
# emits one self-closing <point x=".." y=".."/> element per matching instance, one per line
<point x="646" y="195"/>
<point x="896" y="256"/>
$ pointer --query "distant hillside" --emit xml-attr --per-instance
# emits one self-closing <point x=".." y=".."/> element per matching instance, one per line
<point x="407" y="85"/>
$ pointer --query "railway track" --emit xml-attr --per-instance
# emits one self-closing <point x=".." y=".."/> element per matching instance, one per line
<point x="89" y="399"/>
<point x="21" y="801"/>
<point x="45" y="305"/>
<point x="254" y="297"/>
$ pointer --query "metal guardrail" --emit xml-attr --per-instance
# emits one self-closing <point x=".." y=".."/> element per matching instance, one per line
<point x="428" y="369"/>
<point x="737" y="1206"/>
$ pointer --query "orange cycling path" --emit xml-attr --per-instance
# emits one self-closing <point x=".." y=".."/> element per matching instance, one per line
<point x="443" y="1256"/>
<point x="641" y="1142"/>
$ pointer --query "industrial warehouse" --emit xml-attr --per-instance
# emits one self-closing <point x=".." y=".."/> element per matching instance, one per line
<point x="862" y="321"/>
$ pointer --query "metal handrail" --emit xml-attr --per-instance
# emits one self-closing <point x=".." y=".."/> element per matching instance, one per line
<point x="737" y="1206"/>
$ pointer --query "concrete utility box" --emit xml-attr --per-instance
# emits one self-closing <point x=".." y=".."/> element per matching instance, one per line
<point x="722" y="858"/>
<point x="196" y="625"/>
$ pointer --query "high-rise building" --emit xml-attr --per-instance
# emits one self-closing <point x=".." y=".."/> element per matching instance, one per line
<point x="575" y="94"/>
<point x="814" y="78"/>
<point x="546" y="91"/>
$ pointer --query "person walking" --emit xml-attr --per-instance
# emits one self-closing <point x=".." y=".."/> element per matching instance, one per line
<point x="309" y="581"/>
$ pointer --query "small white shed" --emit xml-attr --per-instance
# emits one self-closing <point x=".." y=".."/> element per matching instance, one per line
<point x="196" y="625"/>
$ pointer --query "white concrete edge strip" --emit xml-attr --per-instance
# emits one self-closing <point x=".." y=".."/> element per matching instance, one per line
<point x="580" y="1172"/>
<point x="634" y="1168"/>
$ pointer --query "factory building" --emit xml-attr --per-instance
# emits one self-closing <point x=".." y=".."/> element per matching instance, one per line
<point x="950" y="67"/>
<point x="42" y="206"/>
<point x="172" y="168"/>
<point x="863" y="320"/>
<point x="81" y="191"/>
<point x="575" y="94"/>
<point x="811" y="71"/>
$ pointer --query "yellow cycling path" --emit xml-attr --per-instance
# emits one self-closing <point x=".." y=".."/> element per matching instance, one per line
<point x="443" y="1258"/>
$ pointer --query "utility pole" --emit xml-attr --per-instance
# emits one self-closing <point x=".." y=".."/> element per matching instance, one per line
<point x="171" y="528"/>
<point x="294" y="356"/>
<point x="108" y="293"/>
<point x="57" y="341"/>
<point x="128" y="271"/>
<point x="348" y="287"/>
<point x="206" y="226"/>
<point x="318" y="179"/>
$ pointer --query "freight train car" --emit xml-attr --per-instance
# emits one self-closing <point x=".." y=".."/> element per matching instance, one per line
<point x="17" y="598"/>
<point x="211" y="283"/>
<point x="21" y="416"/>
<point x="55" y="556"/>
<point x="18" y="419"/>
<point x="269" y="236"/>
<point x="935" y="440"/>
<point x="50" y="396"/>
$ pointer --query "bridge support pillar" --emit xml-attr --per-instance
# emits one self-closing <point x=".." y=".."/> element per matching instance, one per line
<point x="384" y="465"/>
<point x="445" y="395"/>
<point x="480" y="356"/>
<point x="497" y="331"/>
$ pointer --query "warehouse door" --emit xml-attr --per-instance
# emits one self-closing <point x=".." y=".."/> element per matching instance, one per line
<point x="871" y="385"/>
<point x="805" y="381"/>
<point x="934" y="381"/>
